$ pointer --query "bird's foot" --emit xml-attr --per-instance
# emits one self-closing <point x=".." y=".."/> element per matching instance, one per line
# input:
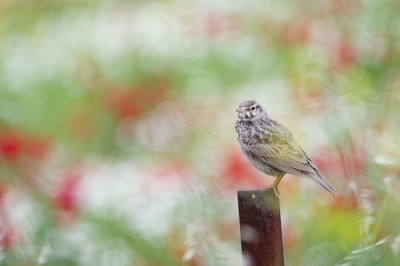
<point x="275" y="188"/>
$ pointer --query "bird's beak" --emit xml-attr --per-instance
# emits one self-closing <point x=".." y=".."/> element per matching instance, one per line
<point x="240" y="110"/>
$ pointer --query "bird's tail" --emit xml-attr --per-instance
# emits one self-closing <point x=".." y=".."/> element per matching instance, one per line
<point x="323" y="182"/>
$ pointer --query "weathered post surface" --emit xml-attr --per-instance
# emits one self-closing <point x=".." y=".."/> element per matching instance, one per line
<point x="260" y="228"/>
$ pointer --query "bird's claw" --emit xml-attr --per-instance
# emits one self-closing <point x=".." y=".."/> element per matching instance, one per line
<point x="275" y="188"/>
<point x="277" y="194"/>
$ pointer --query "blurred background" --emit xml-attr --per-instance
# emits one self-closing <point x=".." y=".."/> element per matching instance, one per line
<point x="117" y="139"/>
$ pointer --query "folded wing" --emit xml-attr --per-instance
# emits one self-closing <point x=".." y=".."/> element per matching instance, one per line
<point x="278" y="148"/>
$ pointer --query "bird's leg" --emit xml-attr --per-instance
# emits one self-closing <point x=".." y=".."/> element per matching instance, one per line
<point x="275" y="184"/>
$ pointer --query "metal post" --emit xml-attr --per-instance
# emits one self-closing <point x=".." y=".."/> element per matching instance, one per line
<point x="260" y="228"/>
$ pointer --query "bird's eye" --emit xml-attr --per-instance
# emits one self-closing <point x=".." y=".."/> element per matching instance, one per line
<point x="253" y="108"/>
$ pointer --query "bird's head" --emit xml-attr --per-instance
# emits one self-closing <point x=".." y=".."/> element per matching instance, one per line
<point x="250" y="111"/>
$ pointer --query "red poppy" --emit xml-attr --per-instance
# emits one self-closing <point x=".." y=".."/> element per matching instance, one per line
<point x="9" y="237"/>
<point x="66" y="198"/>
<point x="239" y="172"/>
<point x="343" y="56"/>
<point x="123" y="102"/>
<point x="11" y="144"/>
<point x="134" y="101"/>
<point x="15" y="143"/>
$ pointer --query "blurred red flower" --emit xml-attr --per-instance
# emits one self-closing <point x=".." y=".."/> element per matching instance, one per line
<point x="11" y="144"/>
<point x="123" y="102"/>
<point x="237" y="171"/>
<point x="8" y="236"/>
<point x="343" y="55"/>
<point x="134" y="101"/>
<point x="344" y="201"/>
<point x="66" y="198"/>
<point x="15" y="143"/>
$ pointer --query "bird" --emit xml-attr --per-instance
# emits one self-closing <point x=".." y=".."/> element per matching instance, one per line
<point x="271" y="148"/>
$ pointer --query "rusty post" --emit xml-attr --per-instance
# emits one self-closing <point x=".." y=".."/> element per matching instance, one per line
<point x="260" y="228"/>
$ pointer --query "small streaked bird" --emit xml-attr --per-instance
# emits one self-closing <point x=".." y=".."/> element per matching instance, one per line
<point x="271" y="147"/>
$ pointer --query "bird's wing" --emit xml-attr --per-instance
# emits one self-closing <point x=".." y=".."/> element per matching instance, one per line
<point x="278" y="148"/>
